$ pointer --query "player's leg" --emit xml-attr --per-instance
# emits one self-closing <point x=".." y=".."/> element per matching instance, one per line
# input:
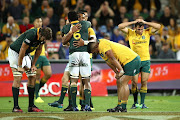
<point x="124" y="90"/>
<point x="145" y="72"/>
<point x="38" y="75"/>
<point x="69" y="107"/>
<point x="130" y="69"/>
<point x="134" y="91"/>
<point x="143" y="90"/>
<point x="81" y="95"/>
<point x="31" y="89"/>
<point x="13" y="61"/>
<point x="46" y="68"/>
<point x="73" y="91"/>
<point x="74" y="76"/>
<point x="85" y="72"/>
<point x="91" y="104"/>
<point x="15" y="89"/>
<point x="64" y="88"/>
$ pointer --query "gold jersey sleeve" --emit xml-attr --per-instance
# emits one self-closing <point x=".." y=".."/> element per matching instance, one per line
<point x="91" y="34"/>
<point x="140" y="43"/>
<point x="122" y="53"/>
<point x="42" y="53"/>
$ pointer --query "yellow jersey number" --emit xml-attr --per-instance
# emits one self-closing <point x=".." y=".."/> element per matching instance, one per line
<point x="77" y="35"/>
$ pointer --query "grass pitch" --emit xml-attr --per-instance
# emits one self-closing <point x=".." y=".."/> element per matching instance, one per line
<point x="160" y="108"/>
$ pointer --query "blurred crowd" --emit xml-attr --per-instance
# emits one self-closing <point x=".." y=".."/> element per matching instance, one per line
<point x="17" y="16"/>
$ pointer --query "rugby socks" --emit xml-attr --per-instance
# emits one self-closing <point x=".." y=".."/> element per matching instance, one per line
<point x="70" y="102"/>
<point x="73" y="90"/>
<point x="80" y="100"/>
<point x="119" y="102"/>
<point x="31" y="90"/>
<point x="63" y="93"/>
<point x="143" y="92"/>
<point x="42" y="82"/>
<point x="87" y="94"/>
<point x="134" y="91"/>
<point x="91" y="104"/>
<point x="123" y="104"/>
<point x="37" y="89"/>
<point x="15" y="92"/>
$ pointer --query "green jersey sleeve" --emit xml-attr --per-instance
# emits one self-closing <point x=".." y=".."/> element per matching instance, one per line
<point x="64" y="30"/>
<point x="29" y="37"/>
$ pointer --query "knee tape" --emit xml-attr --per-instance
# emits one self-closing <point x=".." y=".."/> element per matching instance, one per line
<point x="30" y="73"/>
<point x="17" y="73"/>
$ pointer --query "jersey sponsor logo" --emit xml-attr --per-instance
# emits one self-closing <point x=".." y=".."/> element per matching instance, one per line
<point x="28" y="41"/>
<point x="140" y="42"/>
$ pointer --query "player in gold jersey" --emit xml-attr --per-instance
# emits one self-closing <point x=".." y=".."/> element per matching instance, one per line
<point x="124" y="62"/>
<point x="139" y="43"/>
<point x="41" y="64"/>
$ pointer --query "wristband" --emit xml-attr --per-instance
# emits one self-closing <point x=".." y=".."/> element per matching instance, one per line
<point x="122" y="71"/>
<point x="86" y="42"/>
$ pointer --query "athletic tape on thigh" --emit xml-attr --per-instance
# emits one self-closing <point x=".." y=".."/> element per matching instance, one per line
<point x="74" y="76"/>
<point x="30" y="73"/>
<point x="17" y="73"/>
<point x="85" y="77"/>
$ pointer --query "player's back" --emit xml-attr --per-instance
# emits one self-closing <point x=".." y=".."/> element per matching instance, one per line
<point x="82" y="33"/>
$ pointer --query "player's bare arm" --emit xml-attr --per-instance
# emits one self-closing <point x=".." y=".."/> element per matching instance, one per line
<point x="37" y="54"/>
<point x="68" y="36"/>
<point x="114" y="62"/>
<point x="123" y="26"/>
<point x="155" y="26"/>
<point x="22" y="52"/>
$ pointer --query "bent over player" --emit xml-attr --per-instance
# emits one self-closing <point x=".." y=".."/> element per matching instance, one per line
<point x="20" y="61"/>
<point x="124" y="62"/>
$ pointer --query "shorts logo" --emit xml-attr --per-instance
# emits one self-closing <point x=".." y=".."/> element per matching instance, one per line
<point x="74" y="64"/>
<point x="37" y="65"/>
<point x="28" y="41"/>
<point x="84" y="64"/>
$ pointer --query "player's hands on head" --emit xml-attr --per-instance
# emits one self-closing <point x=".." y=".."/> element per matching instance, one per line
<point x="76" y="27"/>
<point x="33" y="68"/>
<point x="140" y="20"/>
<point x="78" y="43"/>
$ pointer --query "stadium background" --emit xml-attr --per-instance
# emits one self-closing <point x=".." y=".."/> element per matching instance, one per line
<point x="104" y="16"/>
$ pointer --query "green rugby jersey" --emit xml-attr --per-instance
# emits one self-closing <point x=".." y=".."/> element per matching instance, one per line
<point x="83" y="33"/>
<point x="30" y="37"/>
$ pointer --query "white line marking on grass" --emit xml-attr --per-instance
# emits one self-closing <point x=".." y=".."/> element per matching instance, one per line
<point x="12" y="118"/>
<point x="105" y="118"/>
<point x="152" y="117"/>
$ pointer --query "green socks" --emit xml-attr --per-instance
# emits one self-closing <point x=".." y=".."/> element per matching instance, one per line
<point x="15" y="92"/>
<point x="37" y="90"/>
<point x="63" y="93"/>
<point x="73" y="90"/>
<point x="87" y="94"/>
<point x="31" y="90"/>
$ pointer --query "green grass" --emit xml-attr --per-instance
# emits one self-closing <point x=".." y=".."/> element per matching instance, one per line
<point x="155" y="104"/>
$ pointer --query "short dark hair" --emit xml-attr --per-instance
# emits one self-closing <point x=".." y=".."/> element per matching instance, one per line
<point x="72" y="16"/>
<point x="46" y="32"/>
<point x="139" y="24"/>
<point x="81" y="11"/>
